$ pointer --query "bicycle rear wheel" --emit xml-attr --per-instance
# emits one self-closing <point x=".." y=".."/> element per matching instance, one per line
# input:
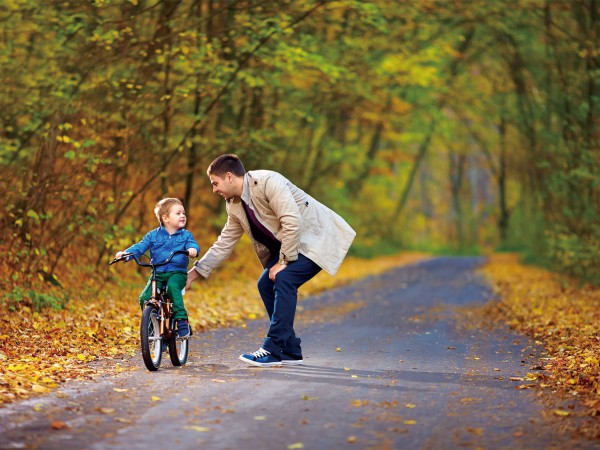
<point x="150" y="339"/>
<point x="178" y="350"/>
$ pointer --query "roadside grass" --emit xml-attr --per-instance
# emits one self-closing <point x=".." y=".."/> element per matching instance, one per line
<point x="561" y="315"/>
<point x="40" y="348"/>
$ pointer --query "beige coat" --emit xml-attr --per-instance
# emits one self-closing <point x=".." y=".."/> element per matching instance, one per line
<point x="298" y="221"/>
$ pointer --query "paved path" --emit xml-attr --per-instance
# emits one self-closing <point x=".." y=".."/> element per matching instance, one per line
<point x="390" y="363"/>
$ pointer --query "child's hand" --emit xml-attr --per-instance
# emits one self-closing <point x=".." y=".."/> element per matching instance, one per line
<point x="192" y="252"/>
<point x="119" y="254"/>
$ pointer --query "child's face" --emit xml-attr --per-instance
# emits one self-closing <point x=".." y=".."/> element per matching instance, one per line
<point x="176" y="218"/>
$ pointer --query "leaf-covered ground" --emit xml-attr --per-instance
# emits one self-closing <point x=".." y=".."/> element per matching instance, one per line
<point x="563" y="317"/>
<point x="40" y="350"/>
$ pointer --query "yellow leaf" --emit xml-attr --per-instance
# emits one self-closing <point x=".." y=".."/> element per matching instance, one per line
<point x="410" y="405"/>
<point x="306" y="397"/>
<point x="122" y="420"/>
<point x="120" y="390"/>
<point x="260" y="417"/>
<point x="296" y="445"/>
<point x="410" y="422"/>
<point x="351" y="439"/>
<point x="155" y="398"/>
<point x="338" y="349"/>
<point x="106" y="410"/>
<point x="560" y="412"/>
<point x="39" y="389"/>
<point x="81" y="357"/>
<point x="196" y="428"/>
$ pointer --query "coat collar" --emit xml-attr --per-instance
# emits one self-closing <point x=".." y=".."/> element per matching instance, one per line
<point x="249" y="180"/>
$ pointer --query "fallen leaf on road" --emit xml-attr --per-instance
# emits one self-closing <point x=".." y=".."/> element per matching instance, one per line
<point x="410" y="422"/>
<point x="218" y="381"/>
<point x="154" y="398"/>
<point x="338" y="349"/>
<point x="39" y="389"/>
<point x="122" y="420"/>
<point x="58" y="425"/>
<point x="296" y="445"/>
<point x="307" y="397"/>
<point x="561" y="413"/>
<point x="351" y="439"/>
<point x="515" y="378"/>
<point x="120" y="390"/>
<point x="410" y="405"/>
<point x="196" y="428"/>
<point x="260" y="417"/>
<point x="526" y="386"/>
<point x="356" y="403"/>
<point x="106" y="410"/>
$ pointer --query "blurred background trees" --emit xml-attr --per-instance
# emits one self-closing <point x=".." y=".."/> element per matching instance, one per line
<point x="446" y="126"/>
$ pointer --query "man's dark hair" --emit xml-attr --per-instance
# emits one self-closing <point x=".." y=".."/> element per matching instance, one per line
<point x="226" y="163"/>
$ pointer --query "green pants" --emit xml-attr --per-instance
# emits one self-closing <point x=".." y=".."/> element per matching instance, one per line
<point x="175" y="282"/>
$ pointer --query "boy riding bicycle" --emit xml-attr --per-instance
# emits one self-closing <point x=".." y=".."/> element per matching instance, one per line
<point x="162" y="241"/>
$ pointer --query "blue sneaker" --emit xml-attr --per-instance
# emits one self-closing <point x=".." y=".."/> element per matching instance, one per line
<point x="291" y="359"/>
<point x="261" y="358"/>
<point x="183" y="328"/>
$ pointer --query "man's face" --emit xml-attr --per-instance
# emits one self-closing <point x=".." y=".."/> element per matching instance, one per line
<point x="223" y="186"/>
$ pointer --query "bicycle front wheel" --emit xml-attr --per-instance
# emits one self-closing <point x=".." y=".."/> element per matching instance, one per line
<point x="150" y="339"/>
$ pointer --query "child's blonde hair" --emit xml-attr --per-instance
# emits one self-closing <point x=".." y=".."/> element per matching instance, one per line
<point x="163" y="207"/>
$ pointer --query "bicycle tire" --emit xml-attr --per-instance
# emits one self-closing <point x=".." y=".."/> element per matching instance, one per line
<point x="150" y="339"/>
<point x="179" y="350"/>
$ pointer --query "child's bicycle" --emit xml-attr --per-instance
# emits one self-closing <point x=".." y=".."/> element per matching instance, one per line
<point x="157" y="329"/>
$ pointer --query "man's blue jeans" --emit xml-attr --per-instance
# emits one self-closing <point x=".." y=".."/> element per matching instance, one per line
<point x="280" y="298"/>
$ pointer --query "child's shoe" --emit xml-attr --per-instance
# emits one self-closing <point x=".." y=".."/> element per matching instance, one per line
<point x="183" y="328"/>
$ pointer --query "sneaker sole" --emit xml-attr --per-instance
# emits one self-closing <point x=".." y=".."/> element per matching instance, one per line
<point x="259" y="364"/>
<point x="292" y="362"/>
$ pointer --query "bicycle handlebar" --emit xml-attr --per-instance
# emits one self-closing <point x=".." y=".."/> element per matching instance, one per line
<point x="128" y="256"/>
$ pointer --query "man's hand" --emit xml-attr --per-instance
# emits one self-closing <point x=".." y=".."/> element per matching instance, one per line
<point x="192" y="276"/>
<point x="192" y="252"/>
<point x="273" y="271"/>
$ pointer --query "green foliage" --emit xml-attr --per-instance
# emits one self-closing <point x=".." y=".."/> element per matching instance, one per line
<point x="412" y="120"/>
<point x="36" y="301"/>
<point x="573" y="254"/>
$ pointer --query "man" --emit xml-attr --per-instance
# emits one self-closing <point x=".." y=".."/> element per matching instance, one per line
<point x="294" y="237"/>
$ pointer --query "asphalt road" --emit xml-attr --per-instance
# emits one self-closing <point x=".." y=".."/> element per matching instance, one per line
<point x="391" y="362"/>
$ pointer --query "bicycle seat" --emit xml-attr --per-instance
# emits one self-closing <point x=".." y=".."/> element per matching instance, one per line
<point x="162" y="290"/>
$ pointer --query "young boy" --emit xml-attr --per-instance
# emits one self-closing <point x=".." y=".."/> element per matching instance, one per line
<point x="169" y="237"/>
